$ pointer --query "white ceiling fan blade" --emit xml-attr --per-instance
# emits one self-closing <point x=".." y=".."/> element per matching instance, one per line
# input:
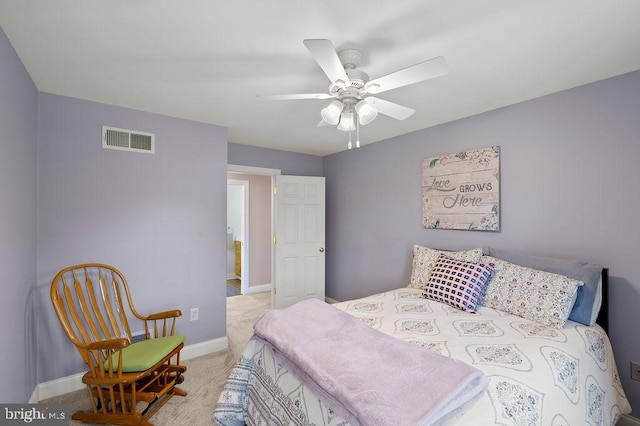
<point x="426" y="70"/>
<point x="391" y="109"/>
<point x="298" y="96"/>
<point x="325" y="55"/>
<point x="323" y="123"/>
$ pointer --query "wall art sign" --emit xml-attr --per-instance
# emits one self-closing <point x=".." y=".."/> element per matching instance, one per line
<point x="462" y="190"/>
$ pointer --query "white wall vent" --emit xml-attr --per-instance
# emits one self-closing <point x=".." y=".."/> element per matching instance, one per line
<point x="128" y="140"/>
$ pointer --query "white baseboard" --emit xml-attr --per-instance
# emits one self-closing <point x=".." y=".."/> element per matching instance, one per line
<point x="204" y="348"/>
<point x="259" y="288"/>
<point x="56" y="387"/>
<point x="330" y="300"/>
<point x="73" y="383"/>
<point x="627" y="420"/>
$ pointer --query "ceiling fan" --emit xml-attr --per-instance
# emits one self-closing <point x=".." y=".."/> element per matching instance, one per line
<point x="351" y="90"/>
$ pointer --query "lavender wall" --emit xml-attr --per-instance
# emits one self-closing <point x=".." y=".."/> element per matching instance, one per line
<point x="570" y="187"/>
<point x="160" y="219"/>
<point x="18" y="191"/>
<point x="289" y="163"/>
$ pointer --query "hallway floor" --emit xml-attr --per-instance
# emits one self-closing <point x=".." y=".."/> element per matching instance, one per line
<point x="233" y="287"/>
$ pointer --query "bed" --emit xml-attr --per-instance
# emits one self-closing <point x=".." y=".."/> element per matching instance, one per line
<point x="527" y="335"/>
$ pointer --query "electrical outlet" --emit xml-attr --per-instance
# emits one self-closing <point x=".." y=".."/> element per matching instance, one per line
<point x="194" y="314"/>
<point x="635" y="370"/>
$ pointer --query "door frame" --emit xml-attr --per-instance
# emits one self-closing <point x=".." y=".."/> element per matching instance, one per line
<point x="245" y="238"/>
<point x="261" y="171"/>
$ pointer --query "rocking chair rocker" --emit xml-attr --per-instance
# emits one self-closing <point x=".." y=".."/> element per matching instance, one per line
<point x="88" y="300"/>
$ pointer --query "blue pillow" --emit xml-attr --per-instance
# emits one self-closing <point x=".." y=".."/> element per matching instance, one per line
<point x="589" y="298"/>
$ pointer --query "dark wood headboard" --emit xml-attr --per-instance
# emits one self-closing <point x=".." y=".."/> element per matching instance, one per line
<point x="603" y="316"/>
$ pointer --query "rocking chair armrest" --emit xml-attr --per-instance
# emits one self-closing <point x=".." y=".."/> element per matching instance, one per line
<point x="174" y="313"/>
<point x="111" y="344"/>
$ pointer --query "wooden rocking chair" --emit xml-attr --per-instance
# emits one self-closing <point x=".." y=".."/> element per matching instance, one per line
<point x="88" y="300"/>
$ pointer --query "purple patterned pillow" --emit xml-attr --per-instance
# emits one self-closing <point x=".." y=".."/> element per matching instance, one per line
<point x="457" y="283"/>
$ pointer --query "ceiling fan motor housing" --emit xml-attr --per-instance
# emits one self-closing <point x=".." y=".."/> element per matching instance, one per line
<point x="350" y="58"/>
<point x="357" y="80"/>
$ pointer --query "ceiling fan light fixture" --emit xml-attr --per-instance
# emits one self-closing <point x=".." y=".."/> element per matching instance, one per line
<point x="366" y="112"/>
<point x="347" y="121"/>
<point x="331" y="113"/>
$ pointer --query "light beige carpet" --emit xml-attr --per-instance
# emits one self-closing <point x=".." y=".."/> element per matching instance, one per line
<point x="205" y="375"/>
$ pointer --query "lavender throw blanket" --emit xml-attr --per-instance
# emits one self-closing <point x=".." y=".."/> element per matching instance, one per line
<point x="366" y="376"/>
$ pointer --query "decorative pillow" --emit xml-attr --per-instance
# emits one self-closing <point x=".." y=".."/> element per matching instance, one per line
<point x="457" y="283"/>
<point x="589" y="297"/>
<point x="424" y="258"/>
<point x="530" y="293"/>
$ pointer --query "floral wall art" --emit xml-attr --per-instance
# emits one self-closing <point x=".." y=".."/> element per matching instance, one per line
<point x="462" y="190"/>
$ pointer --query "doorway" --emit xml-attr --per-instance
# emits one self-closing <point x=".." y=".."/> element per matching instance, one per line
<point x="256" y="235"/>
<point x="237" y="236"/>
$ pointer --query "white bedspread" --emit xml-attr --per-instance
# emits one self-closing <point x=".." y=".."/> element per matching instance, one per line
<point x="537" y="375"/>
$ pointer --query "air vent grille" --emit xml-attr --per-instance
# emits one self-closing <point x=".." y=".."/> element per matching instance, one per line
<point x="128" y="140"/>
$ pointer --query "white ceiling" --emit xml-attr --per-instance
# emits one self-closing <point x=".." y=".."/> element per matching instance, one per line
<point x="206" y="60"/>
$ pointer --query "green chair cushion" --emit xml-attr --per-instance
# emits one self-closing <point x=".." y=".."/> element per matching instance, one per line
<point x="141" y="356"/>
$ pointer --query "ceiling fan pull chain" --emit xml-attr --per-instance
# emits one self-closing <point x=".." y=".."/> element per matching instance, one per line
<point x="357" y="132"/>
<point x="349" y="144"/>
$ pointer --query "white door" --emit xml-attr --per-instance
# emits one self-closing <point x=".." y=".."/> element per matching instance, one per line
<point x="299" y="239"/>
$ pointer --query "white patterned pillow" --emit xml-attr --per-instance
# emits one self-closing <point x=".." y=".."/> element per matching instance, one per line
<point x="457" y="283"/>
<point x="424" y="258"/>
<point x="530" y="293"/>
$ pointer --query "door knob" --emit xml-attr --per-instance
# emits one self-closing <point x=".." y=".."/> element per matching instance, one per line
<point x="321" y="249"/>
